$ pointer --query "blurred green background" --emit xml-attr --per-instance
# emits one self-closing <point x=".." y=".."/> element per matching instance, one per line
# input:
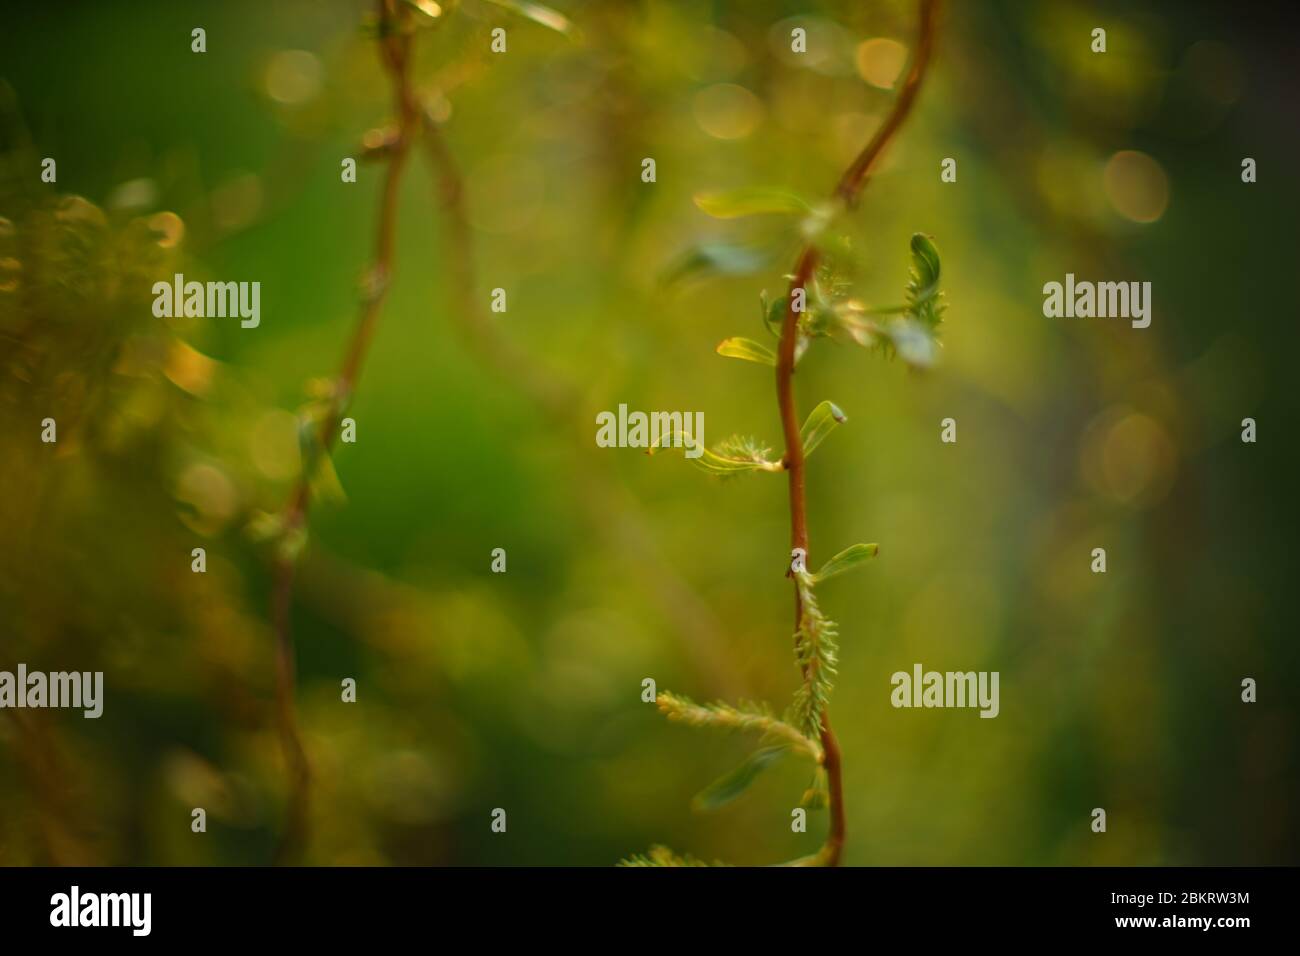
<point x="522" y="690"/>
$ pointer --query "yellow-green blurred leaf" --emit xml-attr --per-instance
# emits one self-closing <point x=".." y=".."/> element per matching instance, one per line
<point x="552" y="19"/>
<point x="849" y="558"/>
<point x="747" y="349"/>
<point x="731" y="785"/>
<point x="752" y="201"/>
<point x="820" y="422"/>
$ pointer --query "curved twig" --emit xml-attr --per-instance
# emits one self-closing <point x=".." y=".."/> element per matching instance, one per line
<point x="395" y="52"/>
<point x="849" y="188"/>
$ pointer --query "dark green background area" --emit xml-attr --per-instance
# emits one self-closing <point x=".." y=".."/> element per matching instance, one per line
<point x="522" y="690"/>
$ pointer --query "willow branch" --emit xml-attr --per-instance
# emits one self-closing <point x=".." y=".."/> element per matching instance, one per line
<point x="856" y="176"/>
<point x="554" y="396"/>
<point x="394" y="51"/>
<point x="58" y="813"/>
<point x="849" y="188"/>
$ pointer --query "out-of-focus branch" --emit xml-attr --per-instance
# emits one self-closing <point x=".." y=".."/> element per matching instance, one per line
<point x="855" y="177"/>
<point x="395" y="52"/>
<point x="555" y="397"/>
<point x="57" y="813"/>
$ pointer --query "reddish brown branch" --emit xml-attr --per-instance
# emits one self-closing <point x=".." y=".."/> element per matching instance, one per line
<point x="56" y="805"/>
<point x="855" y="177"/>
<point x="395" y="51"/>
<point x="554" y="396"/>
<point x="848" y="189"/>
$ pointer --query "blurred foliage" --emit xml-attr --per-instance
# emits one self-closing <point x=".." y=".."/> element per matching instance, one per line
<point x="522" y="690"/>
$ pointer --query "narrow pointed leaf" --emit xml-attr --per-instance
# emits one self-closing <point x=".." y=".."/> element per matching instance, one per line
<point x="318" y="466"/>
<point x="552" y="19"/>
<point x="752" y="201"/>
<point x="924" y="300"/>
<point x="845" y="560"/>
<point x="730" y="786"/>
<point x="747" y="349"/>
<point x="745" y="716"/>
<point x="324" y="481"/>
<point x="714" y="462"/>
<point x="715" y="258"/>
<point x="925" y="259"/>
<point x="816" y="653"/>
<point x="817" y="796"/>
<point x="661" y="856"/>
<point x="429" y="8"/>
<point x="773" y="314"/>
<point x="820" y="422"/>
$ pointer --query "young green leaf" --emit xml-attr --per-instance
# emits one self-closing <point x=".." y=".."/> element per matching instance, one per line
<point x="745" y="716"/>
<point x="816" y="652"/>
<point x="925" y="259"/>
<point x="913" y="333"/>
<point x="747" y="349"/>
<point x="730" y="786"/>
<point x="924" y="300"/>
<point x="819" y="424"/>
<point x="732" y="457"/>
<point x="317" y="463"/>
<point x="848" y="558"/>
<point x="817" y="796"/>
<point x="427" y="8"/>
<point x="323" y="480"/>
<point x="773" y="313"/>
<point x="661" y="856"/>
<point x="538" y="13"/>
<point x="715" y="258"/>
<point x="752" y="201"/>
<point x="913" y="341"/>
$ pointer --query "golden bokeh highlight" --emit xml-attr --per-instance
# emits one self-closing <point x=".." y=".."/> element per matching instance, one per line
<point x="211" y="497"/>
<point x="727" y="111"/>
<point x="1129" y="457"/>
<point x="168" y="227"/>
<point x="1136" y="186"/>
<point x="880" y="61"/>
<point x="294" y="77"/>
<point x="273" y="445"/>
<point x="189" y="369"/>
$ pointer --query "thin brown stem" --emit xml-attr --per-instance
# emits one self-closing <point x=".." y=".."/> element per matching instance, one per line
<point x="848" y="190"/>
<point x="60" y="830"/>
<point x="395" y="51"/>
<point x="856" y="176"/>
<point x="553" y="395"/>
